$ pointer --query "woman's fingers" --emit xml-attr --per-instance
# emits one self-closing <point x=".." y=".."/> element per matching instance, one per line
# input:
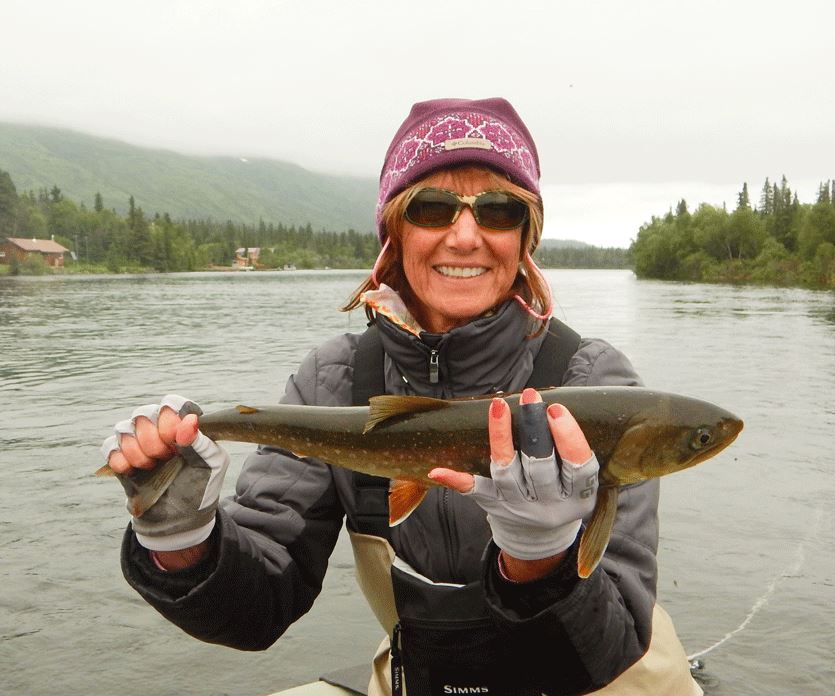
<point x="500" y="432"/>
<point x="571" y="443"/>
<point x="186" y="430"/>
<point x="119" y="464"/>
<point x="148" y="437"/>
<point x="457" y="480"/>
<point x="133" y="453"/>
<point x="167" y="424"/>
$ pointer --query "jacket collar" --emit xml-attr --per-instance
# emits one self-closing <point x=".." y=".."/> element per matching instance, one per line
<point x="488" y="355"/>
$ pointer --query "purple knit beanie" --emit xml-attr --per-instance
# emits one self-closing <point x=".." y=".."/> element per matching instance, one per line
<point x="445" y="133"/>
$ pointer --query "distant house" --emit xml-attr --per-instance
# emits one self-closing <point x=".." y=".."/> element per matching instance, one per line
<point x="12" y="248"/>
<point x="246" y="257"/>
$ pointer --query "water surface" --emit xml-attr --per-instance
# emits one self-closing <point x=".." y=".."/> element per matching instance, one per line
<point x="746" y="539"/>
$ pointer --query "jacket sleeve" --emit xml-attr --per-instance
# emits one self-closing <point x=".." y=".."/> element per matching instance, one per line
<point x="579" y="635"/>
<point x="270" y="547"/>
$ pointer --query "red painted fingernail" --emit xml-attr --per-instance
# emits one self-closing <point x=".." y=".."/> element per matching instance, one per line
<point x="528" y="396"/>
<point x="497" y="408"/>
<point x="555" y="410"/>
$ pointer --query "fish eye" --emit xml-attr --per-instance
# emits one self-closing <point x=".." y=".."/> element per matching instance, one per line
<point x="701" y="438"/>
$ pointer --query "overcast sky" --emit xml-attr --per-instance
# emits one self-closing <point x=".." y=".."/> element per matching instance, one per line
<point x="632" y="104"/>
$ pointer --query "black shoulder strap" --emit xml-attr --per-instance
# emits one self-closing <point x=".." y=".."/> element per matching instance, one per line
<point x="549" y="365"/>
<point x="369" y="377"/>
<point x="370" y="492"/>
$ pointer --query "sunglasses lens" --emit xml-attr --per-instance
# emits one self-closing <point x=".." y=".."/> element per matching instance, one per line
<point x="493" y="209"/>
<point x="432" y="208"/>
<point x="500" y="211"/>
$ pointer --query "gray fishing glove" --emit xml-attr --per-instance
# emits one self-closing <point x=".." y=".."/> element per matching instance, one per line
<point x="173" y="505"/>
<point x="535" y="504"/>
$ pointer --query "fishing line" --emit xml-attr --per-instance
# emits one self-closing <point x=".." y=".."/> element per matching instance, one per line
<point x="792" y="570"/>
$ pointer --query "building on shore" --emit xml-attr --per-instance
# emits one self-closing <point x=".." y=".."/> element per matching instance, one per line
<point x="20" y="249"/>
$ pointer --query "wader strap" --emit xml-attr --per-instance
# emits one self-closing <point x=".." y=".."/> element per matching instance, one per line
<point x="371" y="492"/>
<point x="369" y="375"/>
<point x="558" y="347"/>
<point x="549" y="366"/>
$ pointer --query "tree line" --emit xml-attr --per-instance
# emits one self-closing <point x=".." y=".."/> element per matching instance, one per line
<point x="778" y="241"/>
<point x="101" y="237"/>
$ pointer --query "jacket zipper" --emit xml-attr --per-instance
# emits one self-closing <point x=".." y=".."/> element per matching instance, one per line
<point x="433" y="366"/>
<point x="447" y="517"/>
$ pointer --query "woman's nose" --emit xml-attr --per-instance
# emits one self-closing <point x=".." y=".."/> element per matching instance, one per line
<point x="465" y="233"/>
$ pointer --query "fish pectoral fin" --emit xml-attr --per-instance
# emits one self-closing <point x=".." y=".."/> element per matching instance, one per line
<point x="240" y="408"/>
<point x="105" y="471"/>
<point x="404" y="497"/>
<point x="387" y="406"/>
<point x="145" y="488"/>
<point x="596" y="536"/>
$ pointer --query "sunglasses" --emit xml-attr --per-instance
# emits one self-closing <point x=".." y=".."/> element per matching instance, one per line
<point x="495" y="210"/>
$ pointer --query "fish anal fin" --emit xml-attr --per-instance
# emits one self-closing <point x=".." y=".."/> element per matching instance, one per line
<point x="596" y="536"/>
<point x="404" y="497"/>
<point x="387" y="406"/>
<point x="144" y="488"/>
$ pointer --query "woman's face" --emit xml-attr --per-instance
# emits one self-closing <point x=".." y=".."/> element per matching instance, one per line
<point x="458" y="272"/>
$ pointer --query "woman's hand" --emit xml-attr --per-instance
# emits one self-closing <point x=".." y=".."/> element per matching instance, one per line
<point x="151" y="435"/>
<point x="176" y="526"/>
<point x="534" y="505"/>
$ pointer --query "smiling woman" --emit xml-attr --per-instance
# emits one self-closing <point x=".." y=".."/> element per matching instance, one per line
<point x="481" y="587"/>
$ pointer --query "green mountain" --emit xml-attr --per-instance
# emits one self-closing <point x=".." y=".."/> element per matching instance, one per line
<point x="184" y="186"/>
<point x="563" y="244"/>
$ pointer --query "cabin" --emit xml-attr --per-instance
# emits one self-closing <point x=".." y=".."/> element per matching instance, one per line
<point x="17" y="248"/>
<point x="246" y="258"/>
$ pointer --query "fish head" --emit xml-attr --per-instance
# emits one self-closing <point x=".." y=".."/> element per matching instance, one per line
<point x="677" y="433"/>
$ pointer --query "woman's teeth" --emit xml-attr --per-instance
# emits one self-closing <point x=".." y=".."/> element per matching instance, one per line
<point x="458" y="272"/>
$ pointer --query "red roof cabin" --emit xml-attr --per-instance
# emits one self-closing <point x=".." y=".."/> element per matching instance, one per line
<point x="18" y="248"/>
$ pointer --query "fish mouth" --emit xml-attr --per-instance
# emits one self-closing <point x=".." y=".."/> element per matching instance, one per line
<point x="726" y="432"/>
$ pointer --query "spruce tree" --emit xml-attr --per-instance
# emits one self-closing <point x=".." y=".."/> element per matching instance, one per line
<point x="8" y="205"/>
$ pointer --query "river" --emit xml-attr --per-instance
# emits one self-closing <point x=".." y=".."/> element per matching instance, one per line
<point x="747" y="551"/>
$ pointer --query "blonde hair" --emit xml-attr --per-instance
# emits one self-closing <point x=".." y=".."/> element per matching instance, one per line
<point x="529" y="283"/>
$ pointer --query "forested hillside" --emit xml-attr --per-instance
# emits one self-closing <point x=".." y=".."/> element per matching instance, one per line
<point x="243" y="190"/>
<point x="103" y="239"/>
<point x="777" y="241"/>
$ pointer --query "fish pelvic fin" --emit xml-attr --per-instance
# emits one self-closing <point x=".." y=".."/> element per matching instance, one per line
<point x="387" y="406"/>
<point x="596" y="536"/>
<point x="105" y="471"/>
<point x="144" y="488"/>
<point x="240" y="408"/>
<point x="404" y="497"/>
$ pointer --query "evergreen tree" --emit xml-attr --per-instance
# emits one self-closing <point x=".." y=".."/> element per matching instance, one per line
<point x="823" y="193"/>
<point x="55" y="195"/>
<point x="766" y="206"/>
<point x="8" y="205"/>
<point x="742" y="200"/>
<point x="98" y="205"/>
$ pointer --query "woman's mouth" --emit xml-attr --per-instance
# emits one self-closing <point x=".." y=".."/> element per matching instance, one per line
<point x="460" y="271"/>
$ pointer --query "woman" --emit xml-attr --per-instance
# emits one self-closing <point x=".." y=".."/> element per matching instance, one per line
<point x="478" y="588"/>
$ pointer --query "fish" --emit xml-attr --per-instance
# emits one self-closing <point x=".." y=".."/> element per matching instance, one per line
<point x="636" y="433"/>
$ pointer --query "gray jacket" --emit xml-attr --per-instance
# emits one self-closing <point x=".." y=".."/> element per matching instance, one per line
<point x="273" y="538"/>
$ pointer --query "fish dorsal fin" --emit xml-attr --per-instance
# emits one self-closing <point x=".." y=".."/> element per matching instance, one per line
<point x="596" y="537"/>
<point x="386" y="406"/>
<point x="404" y="497"/>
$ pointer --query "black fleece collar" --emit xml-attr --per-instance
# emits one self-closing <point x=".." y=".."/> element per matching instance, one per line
<point x="490" y="354"/>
